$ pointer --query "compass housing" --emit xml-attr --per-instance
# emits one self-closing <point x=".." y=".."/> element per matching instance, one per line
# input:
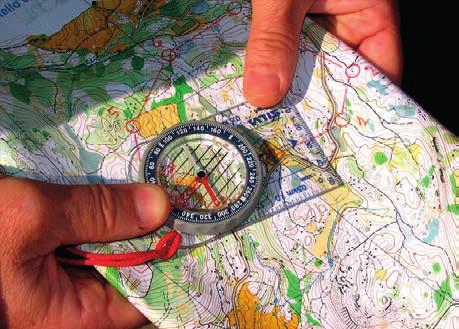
<point x="212" y="173"/>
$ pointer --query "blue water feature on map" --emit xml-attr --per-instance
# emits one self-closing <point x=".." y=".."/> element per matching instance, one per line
<point x="432" y="230"/>
<point x="200" y="8"/>
<point x="404" y="110"/>
<point x="378" y="86"/>
<point x="406" y="231"/>
<point x="329" y="243"/>
<point x="185" y="48"/>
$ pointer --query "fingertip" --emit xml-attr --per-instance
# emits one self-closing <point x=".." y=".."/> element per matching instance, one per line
<point x="152" y="205"/>
<point x="263" y="101"/>
<point x="263" y="88"/>
<point x="272" y="52"/>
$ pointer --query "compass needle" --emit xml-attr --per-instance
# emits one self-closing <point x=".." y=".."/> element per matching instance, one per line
<point x="205" y="183"/>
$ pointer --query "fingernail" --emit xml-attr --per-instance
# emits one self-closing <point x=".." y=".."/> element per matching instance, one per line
<point x="152" y="205"/>
<point x="262" y="83"/>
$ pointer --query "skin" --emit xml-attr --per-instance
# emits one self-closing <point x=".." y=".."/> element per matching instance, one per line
<point x="36" y="290"/>
<point x="368" y="26"/>
<point x="37" y="218"/>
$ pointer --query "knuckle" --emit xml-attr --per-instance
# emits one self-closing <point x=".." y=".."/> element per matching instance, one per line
<point x="22" y="199"/>
<point x="271" y="43"/>
<point x="104" y="207"/>
<point x="22" y="209"/>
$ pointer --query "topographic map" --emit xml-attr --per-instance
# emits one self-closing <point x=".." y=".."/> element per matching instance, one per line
<point x="84" y="85"/>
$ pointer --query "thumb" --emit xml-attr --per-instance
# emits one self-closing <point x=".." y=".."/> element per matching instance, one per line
<point x="272" y="49"/>
<point x="64" y="214"/>
<point x="112" y="212"/>
<point x="38" y="217"/>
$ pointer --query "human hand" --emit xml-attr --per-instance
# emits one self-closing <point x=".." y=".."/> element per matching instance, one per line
<point x="368" y="26"/>
<point x="36" y="218"/>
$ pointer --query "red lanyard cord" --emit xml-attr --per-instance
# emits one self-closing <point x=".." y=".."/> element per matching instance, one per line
<point x="166" y="248"/>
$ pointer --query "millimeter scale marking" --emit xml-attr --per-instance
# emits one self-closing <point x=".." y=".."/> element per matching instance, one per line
<point x="247" y="121"/>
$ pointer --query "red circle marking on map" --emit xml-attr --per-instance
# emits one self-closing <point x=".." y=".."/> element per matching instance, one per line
<point x="132" y="126"/>
<point x="234" y="8"/>
<point x="352" y="71"/>
<point x="342" y="120"/>
<point x="168" y="55"/>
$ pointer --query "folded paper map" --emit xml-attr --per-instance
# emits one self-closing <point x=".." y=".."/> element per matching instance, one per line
<point x="85" y="86"/>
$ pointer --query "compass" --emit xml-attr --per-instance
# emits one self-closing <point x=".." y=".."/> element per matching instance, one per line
<point x="211" y="172"/>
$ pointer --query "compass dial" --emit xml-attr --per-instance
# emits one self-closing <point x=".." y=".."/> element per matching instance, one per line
<point x="211" y="172"/>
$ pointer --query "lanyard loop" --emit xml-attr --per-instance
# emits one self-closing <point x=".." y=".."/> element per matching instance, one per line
<point x="165" y="249"/>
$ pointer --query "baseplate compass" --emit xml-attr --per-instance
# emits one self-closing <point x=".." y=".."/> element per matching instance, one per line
<point x="211" y="172"/>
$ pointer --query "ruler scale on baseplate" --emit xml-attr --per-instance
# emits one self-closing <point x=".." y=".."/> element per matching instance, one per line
<point x="205" y="167"/>
<point x="296" y="168"/>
